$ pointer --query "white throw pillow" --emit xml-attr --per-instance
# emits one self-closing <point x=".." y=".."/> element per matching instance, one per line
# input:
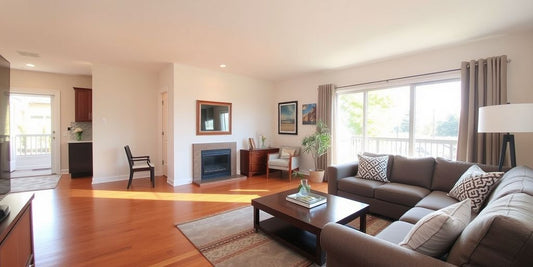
<point x="435" y="233"/>
<point x="373" y="168"/>
<point x="476" y="185"/>
<point x="286" y="153"/>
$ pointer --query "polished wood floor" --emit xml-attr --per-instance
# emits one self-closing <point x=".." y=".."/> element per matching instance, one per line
<point x="79" y="224"/>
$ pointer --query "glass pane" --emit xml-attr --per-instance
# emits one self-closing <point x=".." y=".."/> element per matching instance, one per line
<point x="437" y="112"/>
<point x="388" y="121"/>
<point x="349" y="133"/>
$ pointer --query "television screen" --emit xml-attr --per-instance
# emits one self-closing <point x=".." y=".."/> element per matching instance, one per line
<point x="5" y="170"/>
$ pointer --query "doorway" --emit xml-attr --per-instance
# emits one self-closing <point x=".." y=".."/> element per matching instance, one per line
<point x="34" y="120"/>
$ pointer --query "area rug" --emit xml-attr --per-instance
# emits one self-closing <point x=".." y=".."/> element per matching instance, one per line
<point x="228" y="239"/>
<point x="34" y="183"/>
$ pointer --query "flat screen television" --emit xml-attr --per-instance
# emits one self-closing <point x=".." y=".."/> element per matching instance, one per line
<point x="5" y="169"/>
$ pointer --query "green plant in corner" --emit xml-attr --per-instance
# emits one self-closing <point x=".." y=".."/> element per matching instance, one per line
<point x="317" y="144"/>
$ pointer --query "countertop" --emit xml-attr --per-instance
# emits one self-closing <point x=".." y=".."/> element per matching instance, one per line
<point x="83" y="141"/>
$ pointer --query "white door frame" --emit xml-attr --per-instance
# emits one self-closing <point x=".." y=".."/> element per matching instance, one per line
<point x="56" y="121"/>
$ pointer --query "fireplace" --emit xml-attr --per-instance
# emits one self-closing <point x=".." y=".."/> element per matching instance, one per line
<point x="216" y="163"/>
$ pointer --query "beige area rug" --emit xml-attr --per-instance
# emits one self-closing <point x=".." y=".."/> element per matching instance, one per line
<point x="34" y="183"/>
<point x="228" y="239"/>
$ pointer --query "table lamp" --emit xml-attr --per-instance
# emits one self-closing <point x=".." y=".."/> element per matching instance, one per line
<point x="507" y="118"/>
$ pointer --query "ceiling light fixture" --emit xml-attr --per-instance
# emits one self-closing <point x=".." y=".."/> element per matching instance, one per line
<point x="222" y="65"/>
<point x="30" y="65"/>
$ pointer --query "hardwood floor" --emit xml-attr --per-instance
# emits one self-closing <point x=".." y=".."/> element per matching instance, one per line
<point x="79" y="224"/>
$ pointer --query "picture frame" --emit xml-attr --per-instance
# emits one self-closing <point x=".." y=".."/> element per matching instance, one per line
<point x="309" y="114"/>
<point x="288" y="117"/>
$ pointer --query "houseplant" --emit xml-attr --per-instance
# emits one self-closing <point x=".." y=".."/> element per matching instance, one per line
<point x="317" y="144"/>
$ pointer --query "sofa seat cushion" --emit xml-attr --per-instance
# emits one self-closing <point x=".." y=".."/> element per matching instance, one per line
<point x="412" y="171"/>
<point x="501" y="235"/>
<point x="437" y="231"/>
<point x="395" y="232"/>
<point x="403" y="194"/>
<point x="436" y="200"/>
<point x="359" y="186"/>
<point x="415" y="214"/>
<point x="517" y="180"/>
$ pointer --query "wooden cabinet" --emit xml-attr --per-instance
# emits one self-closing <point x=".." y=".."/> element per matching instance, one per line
<point x="80" y="159"/>
<point x="16" y="247"/>
<point x="254" y="161"/>
<point x="83" y="104"/>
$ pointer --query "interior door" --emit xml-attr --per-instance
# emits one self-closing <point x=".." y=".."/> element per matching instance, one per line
<point x="164" y="127"/>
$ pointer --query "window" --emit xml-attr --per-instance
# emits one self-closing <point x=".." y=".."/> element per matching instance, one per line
<point x="416" y="119"/>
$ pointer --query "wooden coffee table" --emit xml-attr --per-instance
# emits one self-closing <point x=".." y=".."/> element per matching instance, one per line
<point x="300" y="227"/>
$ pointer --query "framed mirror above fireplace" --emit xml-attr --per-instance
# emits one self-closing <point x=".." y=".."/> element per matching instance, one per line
<point x="213" y="118"/>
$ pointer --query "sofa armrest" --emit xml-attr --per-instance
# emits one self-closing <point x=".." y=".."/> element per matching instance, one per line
<point x="337" y="172"/>
<point x="348" y="247"/>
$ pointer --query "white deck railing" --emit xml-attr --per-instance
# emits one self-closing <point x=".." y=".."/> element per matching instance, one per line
<point x="32" y="144"/>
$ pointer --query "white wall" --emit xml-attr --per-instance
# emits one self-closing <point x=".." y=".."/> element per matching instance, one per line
<point x="22" y="79"/>
<point x="516" y="46"/>
<point x="251" y="105"/>
<point x="124" y="113"/>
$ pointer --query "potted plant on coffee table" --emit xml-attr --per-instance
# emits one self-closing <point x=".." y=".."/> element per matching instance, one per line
<point x="317" y="144"/>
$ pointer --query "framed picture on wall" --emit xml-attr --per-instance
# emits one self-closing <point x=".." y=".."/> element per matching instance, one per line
<point x="288" y="117"/>
<point x="309" y="114"/>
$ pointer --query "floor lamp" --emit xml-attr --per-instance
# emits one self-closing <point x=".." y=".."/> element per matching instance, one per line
<point x="508" y="118"/>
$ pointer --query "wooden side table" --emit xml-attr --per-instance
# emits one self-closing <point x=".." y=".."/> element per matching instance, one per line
<point x="254" y="161"/>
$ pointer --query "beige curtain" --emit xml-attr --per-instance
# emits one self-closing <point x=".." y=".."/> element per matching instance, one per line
<point x="483" y="83"/>
<point x="325" y="109"/>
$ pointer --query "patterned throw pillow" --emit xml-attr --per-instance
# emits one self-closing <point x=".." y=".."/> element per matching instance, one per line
<point x="373" y="168"/>
<point x="286" y="153"/>
<point x="476" y="185"/>
<point x="435" y="233"/>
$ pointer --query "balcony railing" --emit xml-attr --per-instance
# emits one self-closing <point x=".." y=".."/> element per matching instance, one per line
<point x="350" y="147"/>
<point x="32" y="144"/>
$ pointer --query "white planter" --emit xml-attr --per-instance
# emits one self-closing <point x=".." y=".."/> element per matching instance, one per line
<point x="316" y="176"/>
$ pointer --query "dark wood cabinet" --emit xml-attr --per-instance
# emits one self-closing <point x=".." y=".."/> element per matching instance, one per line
<point x="83" y="104"/>
<point x="80" y="159"/>
<point x="16" y="237"/>
<point x="254" y="161"/>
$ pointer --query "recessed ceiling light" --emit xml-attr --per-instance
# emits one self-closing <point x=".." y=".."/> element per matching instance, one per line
<point x="30" y="65"/>
<point x="222" y="65"/>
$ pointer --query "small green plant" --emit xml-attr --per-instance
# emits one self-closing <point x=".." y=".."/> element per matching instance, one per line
<point x="318" y="143"/>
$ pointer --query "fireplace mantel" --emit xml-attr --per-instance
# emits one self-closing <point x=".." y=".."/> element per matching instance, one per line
<point x="197" y="158"/>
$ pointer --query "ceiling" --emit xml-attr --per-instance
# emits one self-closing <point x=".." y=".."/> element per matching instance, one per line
<point x="271" y="39"/>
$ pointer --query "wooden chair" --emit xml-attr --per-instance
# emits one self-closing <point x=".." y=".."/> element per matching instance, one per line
<point x="288" y="159"/>
<point x="139" y="163"/>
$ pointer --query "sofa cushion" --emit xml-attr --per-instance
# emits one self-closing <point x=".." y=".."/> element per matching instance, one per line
<point x="412" y="171"/>
<point x="403" y="194"/>
<point x="517" y="180"/>
<point x="373" y="168"/>
<point x="415" y="214"/>
<point x="395" y="232"/>
<point x="476" y="185"/>
<point x="358" y="186"/>
<point x="389" y="162"/>
<point x="501" y="235"/>
<point x="437" y="231"/>
<point x="447" y="173"/>
<point x="436" y="200"/>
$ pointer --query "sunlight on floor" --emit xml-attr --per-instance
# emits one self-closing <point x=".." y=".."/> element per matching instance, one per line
<point x="195" y="197"/>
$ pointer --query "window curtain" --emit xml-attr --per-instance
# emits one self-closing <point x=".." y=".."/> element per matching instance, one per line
<point x="325" y="109"/>
<point x="483" y="83"/>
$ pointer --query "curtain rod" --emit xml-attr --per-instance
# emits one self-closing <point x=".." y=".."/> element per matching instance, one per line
<point x="398" y="78"/>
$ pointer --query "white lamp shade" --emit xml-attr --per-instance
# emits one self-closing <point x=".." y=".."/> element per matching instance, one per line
<point x="508" y="118"/>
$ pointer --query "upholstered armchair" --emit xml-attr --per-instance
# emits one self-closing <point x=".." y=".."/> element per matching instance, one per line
<point x="288" y="159"/>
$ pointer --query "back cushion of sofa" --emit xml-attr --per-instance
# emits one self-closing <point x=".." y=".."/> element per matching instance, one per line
<point x="412" y="171"/>
<point x="499" y="236"/>
<point x="517" y="180"/>
<point x="447" y="173"/>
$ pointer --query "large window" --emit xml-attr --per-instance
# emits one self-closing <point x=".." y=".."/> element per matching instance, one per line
<point x="417" y="119"/>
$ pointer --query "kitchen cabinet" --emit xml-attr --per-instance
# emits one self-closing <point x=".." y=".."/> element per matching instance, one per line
<point x="83" y="104"/>
<point x="80" y="159"/>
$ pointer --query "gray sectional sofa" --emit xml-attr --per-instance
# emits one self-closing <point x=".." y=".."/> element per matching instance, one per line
<point x="500" y="235"/>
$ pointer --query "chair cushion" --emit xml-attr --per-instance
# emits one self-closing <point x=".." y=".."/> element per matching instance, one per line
<point x="143" y="165"/>
<point x="412" y="171"/>
<point x="476" y="185"/>
<point x="286" y="152"/>
<point x="435" y="233"/>
<point x="403" y="194"/>
<point x="436" y="200"/>
<point x="358" y="186"/>
<point x="373" y="168"/>
<point x="279" y="163"/>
